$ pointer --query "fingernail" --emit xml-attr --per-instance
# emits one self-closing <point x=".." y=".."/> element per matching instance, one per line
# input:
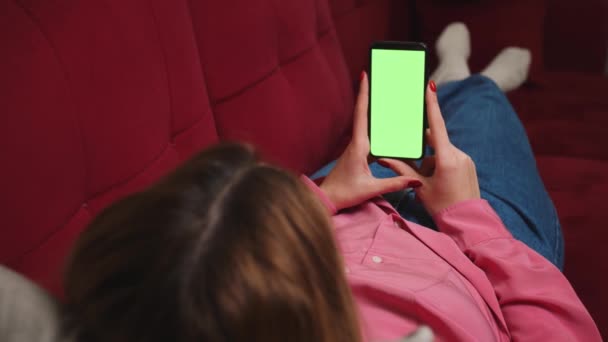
<point x="362" y="75"/>
<point x="414" y="184"/>
<point x="382" y="163"/>
<point x="433" y="86"/>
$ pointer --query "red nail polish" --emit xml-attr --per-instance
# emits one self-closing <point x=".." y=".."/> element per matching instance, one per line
<point x="362" y="76"/>
<point x="382" y="163"/>
<point x="433" y="86"/>
<point x="414" y="184"/>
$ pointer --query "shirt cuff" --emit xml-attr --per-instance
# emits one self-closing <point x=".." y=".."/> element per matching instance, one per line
<point x="320" y="194"/>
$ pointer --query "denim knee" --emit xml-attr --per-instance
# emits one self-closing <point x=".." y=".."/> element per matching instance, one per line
<point x="458" y="94"/>
<point x="474" y="85"/>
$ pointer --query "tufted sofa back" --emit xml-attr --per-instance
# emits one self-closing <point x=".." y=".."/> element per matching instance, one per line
<point x="101" y="98"/>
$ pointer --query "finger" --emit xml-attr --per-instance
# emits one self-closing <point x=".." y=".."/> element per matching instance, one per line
<point x="428" y="166"/>
<point x="400" y="167"/>
<point x="439" y="134"/>
<point x="427" y="137"/>
<point x="412" y="164"/>
<point x="386" y="185"/>
<point x="360" y="117"/>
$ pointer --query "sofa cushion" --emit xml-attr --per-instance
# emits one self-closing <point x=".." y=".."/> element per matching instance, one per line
<point x="565" y="116"/>
<point x="106" y="97"/>
<point x="578" y="188"/>
<point x="563" y="122"/>
<point x="576" y="35"/>
<point x="276" y="77"/>
<point x="100" y="99"/>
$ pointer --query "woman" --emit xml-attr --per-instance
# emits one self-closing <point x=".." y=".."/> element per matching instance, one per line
<point x="230" y="249"/>
<point x="224" y="249"/>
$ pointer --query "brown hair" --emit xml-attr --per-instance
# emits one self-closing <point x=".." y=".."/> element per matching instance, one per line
<point x="223" y="249"/>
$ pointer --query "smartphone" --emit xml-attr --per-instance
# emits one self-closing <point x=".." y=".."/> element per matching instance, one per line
<point x="397" y="112"/>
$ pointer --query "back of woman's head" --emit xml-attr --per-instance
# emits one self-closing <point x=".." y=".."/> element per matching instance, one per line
<point x="223" y="249"/>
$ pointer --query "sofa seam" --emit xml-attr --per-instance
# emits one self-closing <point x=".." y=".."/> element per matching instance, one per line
<point x="85" y="207"/>
<point x="343" y="13"/>
<point x="270" y="73"/>
<point x="79" y="132"/>
<point x="193" y="124"/>
<point x="47" y="237"/>
<point x="127" y="179"/>
<point x="331" y="29"/>
<point x="210" y="103"/>
<point x="166" y="69"/>
<point x="68" y="85"/>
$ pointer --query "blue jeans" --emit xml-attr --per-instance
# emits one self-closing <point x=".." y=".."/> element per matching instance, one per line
<point x="482" y="123"/>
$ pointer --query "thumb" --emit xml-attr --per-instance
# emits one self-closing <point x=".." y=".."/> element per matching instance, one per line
<point x="385" y="185"/>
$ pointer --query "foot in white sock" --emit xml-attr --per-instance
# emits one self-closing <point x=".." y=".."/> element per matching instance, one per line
<point x="510" y="68"/>
<point x="453" y="49"/>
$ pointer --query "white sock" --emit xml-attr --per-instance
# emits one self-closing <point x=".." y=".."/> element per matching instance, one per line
<point x="453" y="49"/>
<point x="510" y="68"/>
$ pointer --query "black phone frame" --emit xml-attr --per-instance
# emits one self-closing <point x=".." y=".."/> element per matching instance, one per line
<point x="408" y="46"/>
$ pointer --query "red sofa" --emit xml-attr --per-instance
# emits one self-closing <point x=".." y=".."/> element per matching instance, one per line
<point x="102" y="98"/>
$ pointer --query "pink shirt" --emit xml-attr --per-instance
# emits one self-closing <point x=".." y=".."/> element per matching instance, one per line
<point x="472" y="281"/>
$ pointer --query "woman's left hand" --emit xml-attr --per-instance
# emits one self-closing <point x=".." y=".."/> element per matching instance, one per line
<point x="351" y="182"/>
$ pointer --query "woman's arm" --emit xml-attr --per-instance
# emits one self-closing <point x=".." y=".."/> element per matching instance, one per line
<point x="351" y="182"/>
<point x="327" y="202"/>
<point x="536" y="299"/>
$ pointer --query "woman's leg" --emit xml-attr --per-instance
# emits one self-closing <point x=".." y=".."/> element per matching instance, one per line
<point x="482" y="123"/>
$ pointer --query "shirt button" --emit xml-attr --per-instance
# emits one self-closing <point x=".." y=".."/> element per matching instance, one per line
<point x="376" y="259"/>
<point x="346" y="270"/>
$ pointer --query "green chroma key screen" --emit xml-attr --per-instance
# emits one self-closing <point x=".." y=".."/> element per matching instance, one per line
<point x="397" y="103"/>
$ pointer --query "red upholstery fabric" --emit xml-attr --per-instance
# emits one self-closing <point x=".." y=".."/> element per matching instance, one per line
<point x="565" y="116"/>
<point x="105" y="97"/>
<point x="576" y="35"/>
<point x="494" y="25"/>
<point x="102" y="98"/>
<point x="276" y="77"/>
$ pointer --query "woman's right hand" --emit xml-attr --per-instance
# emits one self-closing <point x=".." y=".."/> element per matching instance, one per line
<point x="449" y="176"/>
